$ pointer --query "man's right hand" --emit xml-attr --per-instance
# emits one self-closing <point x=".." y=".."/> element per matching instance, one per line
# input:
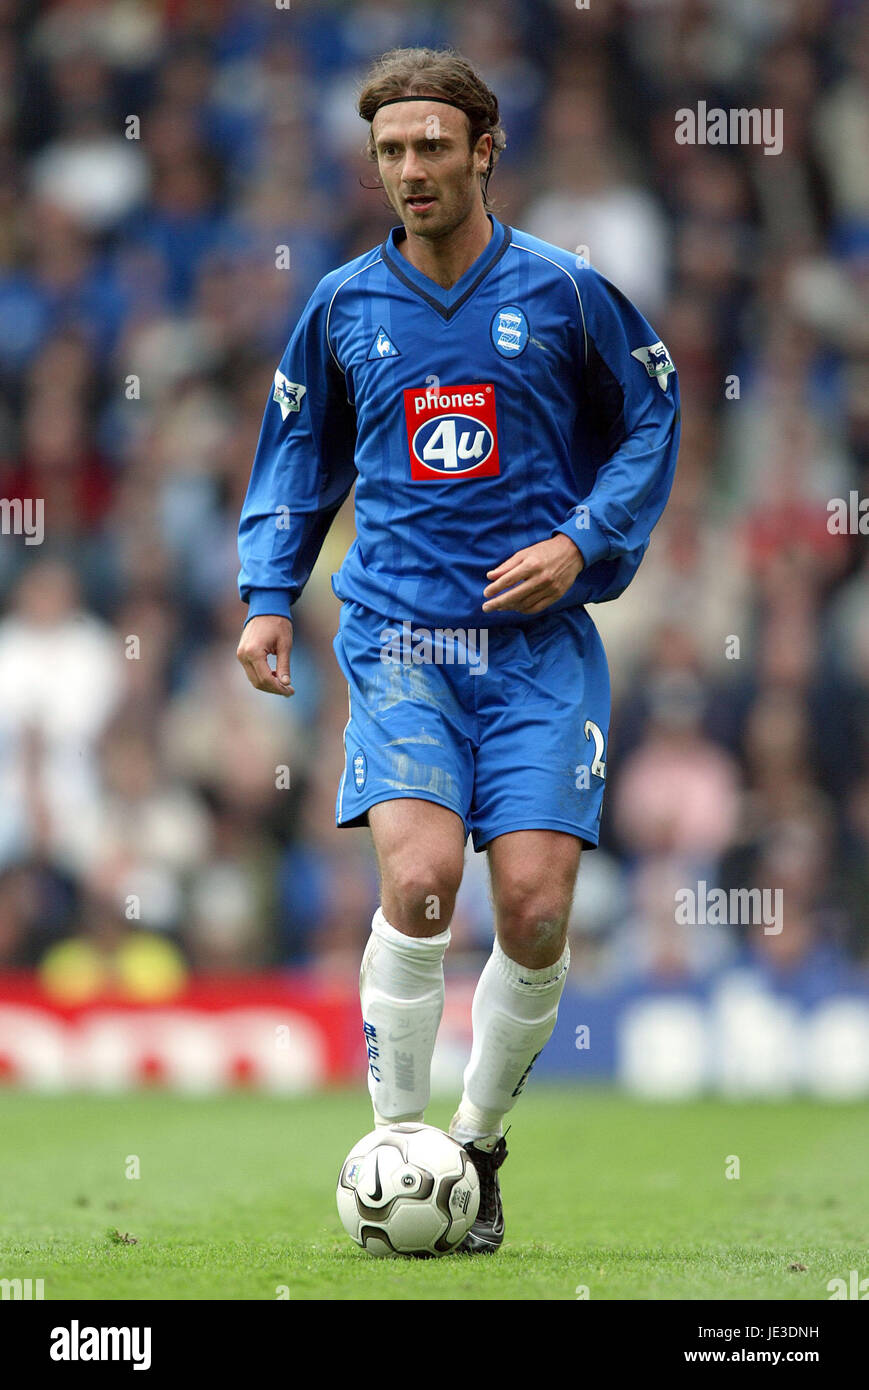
<point x="262" y="637"/>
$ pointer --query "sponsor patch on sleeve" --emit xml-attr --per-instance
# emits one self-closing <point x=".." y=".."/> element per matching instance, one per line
<point x="288" y="394"/>
<point x="657" y="362"/>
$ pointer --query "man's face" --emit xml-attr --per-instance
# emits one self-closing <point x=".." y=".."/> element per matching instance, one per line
<point x="430" y="175"/>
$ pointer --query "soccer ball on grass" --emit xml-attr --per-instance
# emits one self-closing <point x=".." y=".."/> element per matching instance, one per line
<point x="408" y="1189"/>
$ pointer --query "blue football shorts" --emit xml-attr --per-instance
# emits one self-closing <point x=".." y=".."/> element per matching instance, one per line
<point x="506" y="726"/>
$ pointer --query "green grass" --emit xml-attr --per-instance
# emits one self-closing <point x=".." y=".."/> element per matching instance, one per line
<point x="236" y="1197"/>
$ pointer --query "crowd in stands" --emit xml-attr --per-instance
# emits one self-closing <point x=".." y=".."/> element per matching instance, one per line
<point x="153" y="160"/>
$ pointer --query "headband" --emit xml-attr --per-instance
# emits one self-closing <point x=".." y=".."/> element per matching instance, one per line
<point x="391" y="101"/>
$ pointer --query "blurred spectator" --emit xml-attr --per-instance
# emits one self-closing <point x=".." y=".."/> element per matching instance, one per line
<point x="60" y="678"/>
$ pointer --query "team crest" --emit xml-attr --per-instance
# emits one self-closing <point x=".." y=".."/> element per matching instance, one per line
<point x="657" y="362"/>
<point x="288" y="394"/>
<point x="360" y="769"/>
<point x="383" y="346"/>
<point x="509" y="331"/>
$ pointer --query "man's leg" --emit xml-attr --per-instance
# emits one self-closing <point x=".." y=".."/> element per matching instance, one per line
<point x="420" y="849"/>
<point x="516" y="1001"/>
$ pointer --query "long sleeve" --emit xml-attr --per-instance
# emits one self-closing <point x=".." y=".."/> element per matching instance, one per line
<point x="631" y="402"/>
<point x="303" y="468"/>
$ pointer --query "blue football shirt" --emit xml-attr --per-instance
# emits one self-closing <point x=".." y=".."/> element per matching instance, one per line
<point x="530" y="398"/>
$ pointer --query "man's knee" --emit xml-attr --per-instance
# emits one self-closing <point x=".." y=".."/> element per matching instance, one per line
<point x="533" y="880"/>
<point x="419" y="890"/>
<point x="420" y="849"/>
<point x="532" y="912"/>
<point x="532" y="927"/>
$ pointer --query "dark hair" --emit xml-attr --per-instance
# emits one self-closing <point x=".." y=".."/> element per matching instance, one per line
<point x="438" y="72"/>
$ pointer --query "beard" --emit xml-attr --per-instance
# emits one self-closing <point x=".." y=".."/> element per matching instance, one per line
<point x="452" y="207"/>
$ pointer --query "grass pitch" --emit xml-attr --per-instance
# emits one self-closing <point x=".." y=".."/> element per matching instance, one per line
<point x="235" y="1199"/>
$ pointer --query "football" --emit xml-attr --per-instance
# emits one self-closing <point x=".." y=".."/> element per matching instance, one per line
<point x="408" y="1190"/>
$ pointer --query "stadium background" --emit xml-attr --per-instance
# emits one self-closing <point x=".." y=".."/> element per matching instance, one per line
<point x="168" y="914"/>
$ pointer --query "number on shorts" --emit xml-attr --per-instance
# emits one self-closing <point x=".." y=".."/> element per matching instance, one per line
<point x="598" y="766"/>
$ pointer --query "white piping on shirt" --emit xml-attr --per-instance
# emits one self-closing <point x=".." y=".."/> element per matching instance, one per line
<point x="514" y="246"/>
<point x="332" y="301"/>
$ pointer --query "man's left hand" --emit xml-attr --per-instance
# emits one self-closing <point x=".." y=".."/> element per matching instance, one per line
<point x="533" y="578"/>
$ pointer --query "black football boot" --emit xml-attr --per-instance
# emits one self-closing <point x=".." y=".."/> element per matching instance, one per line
<point x="487" y="1233"/>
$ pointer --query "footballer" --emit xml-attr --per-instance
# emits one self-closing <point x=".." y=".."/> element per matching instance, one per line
<point x="511" y="423"/>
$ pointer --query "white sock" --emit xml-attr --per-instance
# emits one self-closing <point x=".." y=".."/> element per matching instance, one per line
<point x="513" y="1014"/>
<point x="401" y="988"/>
